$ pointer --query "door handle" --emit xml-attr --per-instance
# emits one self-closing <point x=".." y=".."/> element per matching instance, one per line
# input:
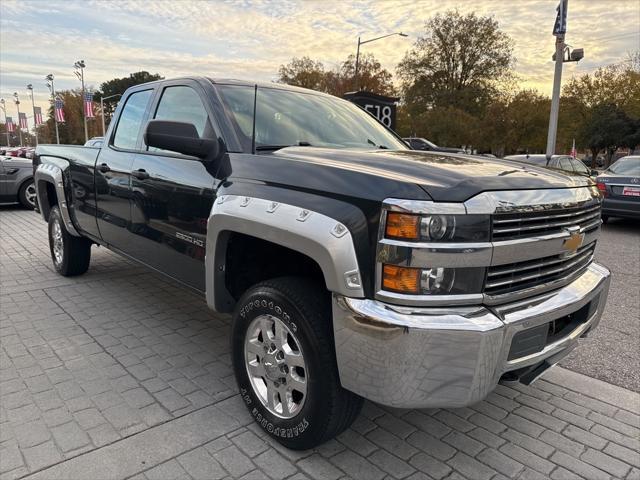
<point x="140" y="174"/>
<point x="104" y="168"/>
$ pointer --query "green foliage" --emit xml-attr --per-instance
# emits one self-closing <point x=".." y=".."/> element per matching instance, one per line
<point x="459" y="62"/>
<point x="118" y="86"/>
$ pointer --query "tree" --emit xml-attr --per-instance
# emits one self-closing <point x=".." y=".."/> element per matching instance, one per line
<point x="459" y="62"/>
<point x="607" y="128"/>
<point x="117" y="86"/>
<point x="303" y="72"/>
<point x="308" y="73"/>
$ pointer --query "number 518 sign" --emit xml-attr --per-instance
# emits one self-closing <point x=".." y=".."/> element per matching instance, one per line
<point x="381" y="107"/>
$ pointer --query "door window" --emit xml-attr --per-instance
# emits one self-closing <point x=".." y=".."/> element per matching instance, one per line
<point x="130" y="120"/>
<point x="580" y="167"/>
<point x="183" y="104"/>
<point x="565" y="164"/>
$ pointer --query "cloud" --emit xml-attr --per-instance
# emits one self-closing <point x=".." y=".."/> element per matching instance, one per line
<point x="250" y="39"/>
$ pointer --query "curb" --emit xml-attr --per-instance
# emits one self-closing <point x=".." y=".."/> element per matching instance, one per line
<point x="594" y="388"/>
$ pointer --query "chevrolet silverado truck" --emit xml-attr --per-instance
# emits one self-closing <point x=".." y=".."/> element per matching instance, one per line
<point x="353" y="266"/>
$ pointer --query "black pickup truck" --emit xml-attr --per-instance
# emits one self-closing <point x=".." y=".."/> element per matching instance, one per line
<point x="353" y="266"/>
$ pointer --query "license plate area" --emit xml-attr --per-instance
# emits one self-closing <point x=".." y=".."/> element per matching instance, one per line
<point x="535" y="339"/>
<point x="631" y="191"/>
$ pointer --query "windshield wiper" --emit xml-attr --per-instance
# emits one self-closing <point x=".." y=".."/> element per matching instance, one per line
<point x="278" y="147"/>
<point x="371" y="142"/>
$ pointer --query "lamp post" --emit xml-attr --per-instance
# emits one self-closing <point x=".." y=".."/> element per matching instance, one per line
<point x="6" y="128"/>
<point x="16" y="99"/>
<point x="102" y="109"/>
<point x="33" y="107"/>
<point x="360" y="42"/>
<point x="79" y="71"/>
<point x="49" y="79"/>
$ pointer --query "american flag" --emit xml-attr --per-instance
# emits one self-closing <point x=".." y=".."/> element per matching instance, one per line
<point x="37" y="115"/>
<point x="11" y="127"/>
<point x="88" y="105"/>
<point x="22" y="118"/>
<point x="59" y="110"/>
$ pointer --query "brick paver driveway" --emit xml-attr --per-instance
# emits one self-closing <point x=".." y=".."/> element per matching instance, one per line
<point x="123" y="374"/>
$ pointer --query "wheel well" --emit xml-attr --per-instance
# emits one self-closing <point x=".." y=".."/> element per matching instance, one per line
<point x="250" y="260"/>
<point x="49" y="199"/>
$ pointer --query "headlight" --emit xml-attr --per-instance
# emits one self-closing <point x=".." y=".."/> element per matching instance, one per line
<point x="432" y="281"/>
<point x="437" y="227"/>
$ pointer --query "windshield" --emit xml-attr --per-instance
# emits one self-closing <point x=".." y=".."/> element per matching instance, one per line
<point x="626" y="166"/>
<point x="285" y="118"/>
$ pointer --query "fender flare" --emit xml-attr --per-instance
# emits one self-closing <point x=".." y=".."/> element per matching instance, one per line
<point x="325" y="240"/>
<point x="53" y="173"/>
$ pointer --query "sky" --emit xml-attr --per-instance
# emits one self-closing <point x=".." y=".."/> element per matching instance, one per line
<point x="250" y="39"/>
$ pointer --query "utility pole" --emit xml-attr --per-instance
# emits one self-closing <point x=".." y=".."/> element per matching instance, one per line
<point x="33" y="107"/>
<point x="6" y="127"/>
<point x="17" y="100"/>
<point x="49" y="79"/>
<point x="79" y="66"/>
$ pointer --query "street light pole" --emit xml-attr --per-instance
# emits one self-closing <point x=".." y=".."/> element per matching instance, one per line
<point x="49" y="79"/>
<point x="17" y="100"/>
<point x="555" y="98"/>
<point x="33" y="106"/>
<point x="6" y="128"/>
<point x="102" y="109"/>
<point x="360" y="42"/>
<point x="79" y="66"/>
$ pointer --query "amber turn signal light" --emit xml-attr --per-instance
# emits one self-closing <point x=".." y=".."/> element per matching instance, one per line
<point x="400" y="225"/>
<point x="401" y="279"/>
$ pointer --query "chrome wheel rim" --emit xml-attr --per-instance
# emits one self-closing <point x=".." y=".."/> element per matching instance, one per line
<point x="58" y="242"/>
<point x="30" y="194"/>
<point x="275" y="366"/>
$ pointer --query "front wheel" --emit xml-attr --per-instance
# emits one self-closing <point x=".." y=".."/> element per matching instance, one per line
<point x="284" y="362"/>
<point x="71" y="255"/>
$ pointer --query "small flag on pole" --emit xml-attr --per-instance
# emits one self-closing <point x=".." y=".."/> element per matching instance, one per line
<point x="59" y="110"/>
<point x="22" y="118"/>
<point x="37" y="115"/>
<point x="574" y="153"/>
<point x="560" y="25"/>
<point x="11" y="127"/>
<point x="88" y="105"/>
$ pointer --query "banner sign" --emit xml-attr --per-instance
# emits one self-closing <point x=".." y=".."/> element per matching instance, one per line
<point x="380" y="106"/>
<point x="560" y="27"/>
<point x="37" y="115"/>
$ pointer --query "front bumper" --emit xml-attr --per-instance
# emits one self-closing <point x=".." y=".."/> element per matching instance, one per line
<point x="454" y="356"/>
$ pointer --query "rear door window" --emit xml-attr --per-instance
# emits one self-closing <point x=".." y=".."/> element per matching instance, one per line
<point x="130" y="121"/>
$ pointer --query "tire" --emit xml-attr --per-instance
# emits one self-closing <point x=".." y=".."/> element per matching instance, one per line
<point x="303" y="307"/>
<point x="71" y="255"/>
<point x="27" y="194"/>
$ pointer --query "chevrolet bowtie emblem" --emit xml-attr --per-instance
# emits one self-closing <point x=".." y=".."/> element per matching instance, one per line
<point x="574" y="242"/>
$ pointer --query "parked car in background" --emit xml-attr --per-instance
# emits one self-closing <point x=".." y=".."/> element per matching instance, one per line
<point x="94" y="142"/>
<point x="566" y="163"/>
<point x="16" y="181"/>
<point x="620" y="186"/>
<point x="418" y="143"/>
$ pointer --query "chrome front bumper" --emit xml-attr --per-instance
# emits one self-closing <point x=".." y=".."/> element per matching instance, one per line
<point x="452" y="356"/>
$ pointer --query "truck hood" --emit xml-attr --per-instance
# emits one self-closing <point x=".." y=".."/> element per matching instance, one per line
<point x="444" y="177"/>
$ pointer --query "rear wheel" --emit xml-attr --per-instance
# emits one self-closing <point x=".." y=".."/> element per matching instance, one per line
<point x="71" y="255"/>
<point x="27" y="194"/>
<point x="284" y="362"/>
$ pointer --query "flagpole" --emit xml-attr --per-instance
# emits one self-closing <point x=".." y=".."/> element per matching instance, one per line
<point x="79" y="65"/>
<point x="33" y="106"/>
<point x="49" y="79"/>
<point x="6" y="126"/>
<point x="17" y="100"/>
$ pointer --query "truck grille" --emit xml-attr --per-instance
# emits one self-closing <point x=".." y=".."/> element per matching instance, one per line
<point x="531" y="224"/>
<point x="512" y="277"/>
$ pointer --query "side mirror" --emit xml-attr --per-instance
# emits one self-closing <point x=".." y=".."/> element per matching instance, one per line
<point x="595" y="173"/>
<point x="182" y="138"/>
